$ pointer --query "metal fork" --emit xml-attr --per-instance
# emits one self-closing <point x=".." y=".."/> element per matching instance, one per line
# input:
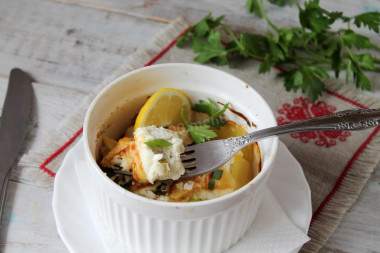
<point x="205" y="157"/>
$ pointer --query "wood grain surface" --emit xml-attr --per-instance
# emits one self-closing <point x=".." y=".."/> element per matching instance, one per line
<point x="71" y="46"/>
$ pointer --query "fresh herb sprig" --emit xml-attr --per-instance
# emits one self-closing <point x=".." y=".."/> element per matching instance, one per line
<point x="306" y="53"/>
<point x="212" y="109"/>
<point x="206" y="107"/>
<point x="158" y="143"/>
<point x="200" y="132"/>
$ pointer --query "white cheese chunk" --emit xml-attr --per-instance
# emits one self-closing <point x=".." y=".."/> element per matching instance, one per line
<point x="160" y="163"/>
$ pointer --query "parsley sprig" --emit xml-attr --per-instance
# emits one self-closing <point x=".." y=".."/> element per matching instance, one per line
<point x="200" y="132"/>
<point x="306" y="53"/>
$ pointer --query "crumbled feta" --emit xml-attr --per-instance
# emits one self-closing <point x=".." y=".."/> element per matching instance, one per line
<point x="159" y="163"/>
<point x="188" y="186"/>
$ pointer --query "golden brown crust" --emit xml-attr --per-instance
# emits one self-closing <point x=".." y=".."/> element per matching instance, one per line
<point x="125" y="152"/>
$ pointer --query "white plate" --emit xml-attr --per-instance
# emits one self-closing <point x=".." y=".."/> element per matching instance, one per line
<point x="81" y="233"/>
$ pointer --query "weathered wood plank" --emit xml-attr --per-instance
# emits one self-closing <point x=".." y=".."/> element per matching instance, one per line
<point x="235" y="12"/>
<point x="28" y="224"/>
<point x="65" y="44"/>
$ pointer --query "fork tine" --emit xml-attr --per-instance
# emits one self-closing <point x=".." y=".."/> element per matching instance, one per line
<point x="203" y="158"/>
<point x="188" y="154"/>
<point x="185" y="157"/>
<point x="190" y="148"/>
<point x="190" y="164"/>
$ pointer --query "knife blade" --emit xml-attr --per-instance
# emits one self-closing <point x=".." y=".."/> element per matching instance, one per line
<point x="13" y="124"/>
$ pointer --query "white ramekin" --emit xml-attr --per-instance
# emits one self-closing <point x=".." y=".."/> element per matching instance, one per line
<point x="145" y="225"/>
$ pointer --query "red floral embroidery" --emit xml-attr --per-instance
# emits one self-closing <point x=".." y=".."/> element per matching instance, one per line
<point x="302" y="109"/>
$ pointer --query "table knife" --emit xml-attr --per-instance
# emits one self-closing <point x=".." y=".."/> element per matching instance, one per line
<point x="14" y="123"/>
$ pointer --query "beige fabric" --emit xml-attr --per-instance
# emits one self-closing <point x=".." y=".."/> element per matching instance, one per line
<point x="322" y="165"/>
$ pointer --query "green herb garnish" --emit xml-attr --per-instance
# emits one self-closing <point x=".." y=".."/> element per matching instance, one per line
<point x="306" y="53"/>
<point x="215" y="120"/>
<point x="206" y="107"/>
<point x="217" y="174"/>
<point x="218" y="113"/>
<point x="200" y="132"/>
<point x="212" y="109"/>
<point x="211" y="184"/>
<point x="158" y="143"/>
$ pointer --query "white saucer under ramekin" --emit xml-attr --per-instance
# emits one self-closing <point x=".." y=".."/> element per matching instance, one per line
<point x="205" y="226"/>
<point x="80" y="232"/>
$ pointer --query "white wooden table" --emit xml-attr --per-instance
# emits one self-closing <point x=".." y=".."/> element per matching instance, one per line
<point x="70" y="46"/>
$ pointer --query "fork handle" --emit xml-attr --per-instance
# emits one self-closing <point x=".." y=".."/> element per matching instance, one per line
<point x="348" y="120"/>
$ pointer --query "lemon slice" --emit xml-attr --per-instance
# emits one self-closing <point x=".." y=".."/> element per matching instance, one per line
<point x="164" y="109"/>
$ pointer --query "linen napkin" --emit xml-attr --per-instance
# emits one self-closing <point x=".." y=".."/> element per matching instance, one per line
<point x="271" y="232"/>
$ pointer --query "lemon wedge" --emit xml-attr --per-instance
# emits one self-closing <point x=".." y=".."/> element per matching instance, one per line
<point x="247" y="162"/>
<point x="164" y="109"/>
